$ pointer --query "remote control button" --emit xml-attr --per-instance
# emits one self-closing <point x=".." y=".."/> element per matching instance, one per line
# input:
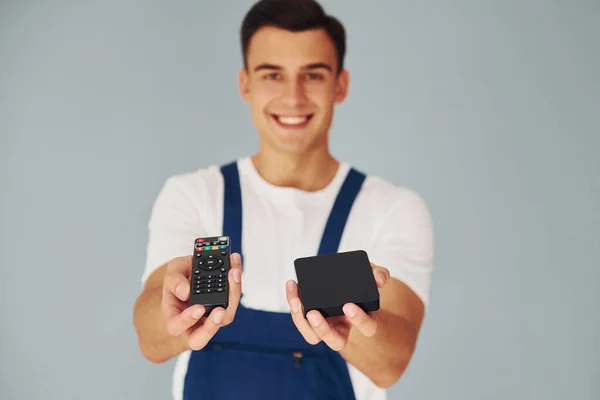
<point x="223" y="269"/>
<point x="223" y="239"/>
<point x="197" y="271"/>
<point x="208" y="248"/>
<point x="223" y="253"/>
<point x="223" y="243"/>
<point x="221" y="276"/>
<point x="211" y="263"/>
<point x="198" y="291"/>
<point x="215" y="247"/>
<point x="222" y="247"/>
<point x="199" y="253"/>
<point x="220" y="290"/>
<point x="199" y="240"/>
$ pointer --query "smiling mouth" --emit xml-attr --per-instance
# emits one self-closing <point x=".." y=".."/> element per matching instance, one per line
<point x="292" y="121"/>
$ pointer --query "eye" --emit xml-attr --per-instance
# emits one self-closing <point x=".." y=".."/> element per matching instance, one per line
<point x="312" y="76"/>
<point x="271" y="76"/>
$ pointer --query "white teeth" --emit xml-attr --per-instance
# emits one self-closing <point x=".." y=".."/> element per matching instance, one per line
<point x="292" y="120"/>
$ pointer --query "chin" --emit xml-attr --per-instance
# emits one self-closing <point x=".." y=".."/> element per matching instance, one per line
<point x="291" y="145"/>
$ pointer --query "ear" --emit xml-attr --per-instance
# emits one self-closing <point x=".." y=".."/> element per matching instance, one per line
<point x="341" y="86"/>
<point x="244" y="84"/>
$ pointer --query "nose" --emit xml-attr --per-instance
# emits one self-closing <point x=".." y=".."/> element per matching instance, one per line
<point x="293" y="93"/>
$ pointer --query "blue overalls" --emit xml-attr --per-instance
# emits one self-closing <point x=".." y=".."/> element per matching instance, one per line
<point x="261" y="355"/>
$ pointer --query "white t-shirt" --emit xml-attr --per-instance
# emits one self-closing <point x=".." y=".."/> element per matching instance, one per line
<point x="391" y="223"/>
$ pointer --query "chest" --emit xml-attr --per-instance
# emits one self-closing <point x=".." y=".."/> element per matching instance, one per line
<point x="278" y="229"/>
<point x="273" y="236"/>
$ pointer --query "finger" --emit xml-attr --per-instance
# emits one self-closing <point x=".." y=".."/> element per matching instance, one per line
<point x="382" y="275"/>
<point x="180" y="323"/>
<point x="342" y="328"/>
<point x="175" y="293"/>
<point x="235" y="286"/>
<point x="330" y="336"/>
<point x="177" y="284"/>
<point x="360" y="319"/>
<point x="177" y="278"/>
<point x="182" y="265"/>
<point x="200" y="336"/>
<point x="291" y="290"/>
<point x="340" y="324"/>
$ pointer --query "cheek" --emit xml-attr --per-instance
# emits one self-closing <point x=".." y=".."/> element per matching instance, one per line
<point x="263" y="96"/>
<point x="321" y="95"/>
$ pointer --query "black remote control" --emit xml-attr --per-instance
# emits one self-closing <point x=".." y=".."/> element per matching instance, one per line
<point x="210" y="267"/>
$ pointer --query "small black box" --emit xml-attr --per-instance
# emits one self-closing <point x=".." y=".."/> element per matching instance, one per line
<point x="327" y="282"/>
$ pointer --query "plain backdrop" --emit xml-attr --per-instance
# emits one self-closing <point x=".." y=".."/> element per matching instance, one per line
<point x="489" y="109"/>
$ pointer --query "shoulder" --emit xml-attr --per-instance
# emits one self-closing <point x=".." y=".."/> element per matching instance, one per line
<point x="403" y="208"/>
<point x="385" y="201"/>
<point x="196" y="187"/>
<point x="192" y="183"/>
<point x="187" y="196"/>
<point x="183" y="210"/>
<point x="382" y="192"/>
<point x="402" y="234"/>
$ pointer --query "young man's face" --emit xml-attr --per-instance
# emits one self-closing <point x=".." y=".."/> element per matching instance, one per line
<point x="292" y="87"/>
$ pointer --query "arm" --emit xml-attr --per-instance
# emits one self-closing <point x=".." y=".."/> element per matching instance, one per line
<point x="381" y="344"/>
<point x="155" y="342"/>
<point x="173" y="225"/>
<point x="384" y="356"/>
<point x="405" y="250"/>
<point x="166" y="325"/>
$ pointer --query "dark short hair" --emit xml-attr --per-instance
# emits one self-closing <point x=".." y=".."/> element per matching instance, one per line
<point x="294" y="16"/>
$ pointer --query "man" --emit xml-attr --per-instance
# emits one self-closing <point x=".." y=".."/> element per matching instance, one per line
<point x="261" y="346"/>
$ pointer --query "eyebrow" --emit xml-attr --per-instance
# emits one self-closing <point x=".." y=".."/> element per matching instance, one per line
<point x="312" y="66"/>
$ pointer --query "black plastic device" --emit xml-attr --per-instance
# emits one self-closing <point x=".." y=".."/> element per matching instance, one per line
<point x="329" y="281"/>
<point x="210" y="265"/>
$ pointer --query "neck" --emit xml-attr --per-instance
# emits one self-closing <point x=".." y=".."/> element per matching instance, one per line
<point x="309" y="171"/>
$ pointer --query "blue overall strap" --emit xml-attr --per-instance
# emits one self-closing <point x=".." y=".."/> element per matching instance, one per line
<point x="232" y="206"/>
<point x="330" y="242"/>
<point x="332" y="235"/>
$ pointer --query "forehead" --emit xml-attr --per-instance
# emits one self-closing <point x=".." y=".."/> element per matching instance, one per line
<point x="291" y="49"/>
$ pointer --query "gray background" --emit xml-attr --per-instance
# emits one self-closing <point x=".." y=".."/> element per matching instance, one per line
<point x="489" y="109"/>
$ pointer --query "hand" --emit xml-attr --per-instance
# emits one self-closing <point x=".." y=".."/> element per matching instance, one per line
<point x="334" y="331"/>
<point x="182" y="319"/>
